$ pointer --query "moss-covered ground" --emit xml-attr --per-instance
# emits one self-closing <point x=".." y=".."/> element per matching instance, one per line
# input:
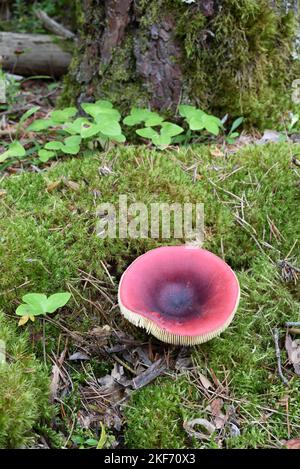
<point x="48" y="238"/>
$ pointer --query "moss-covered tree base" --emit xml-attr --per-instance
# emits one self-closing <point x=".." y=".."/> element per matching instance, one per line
<point x="231" y="57"/>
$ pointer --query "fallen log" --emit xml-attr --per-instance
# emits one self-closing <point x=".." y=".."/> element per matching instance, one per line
<point x="33" y="54"/>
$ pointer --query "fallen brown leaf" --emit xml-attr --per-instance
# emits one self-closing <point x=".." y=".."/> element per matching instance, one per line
<point x="293" y="349"/>
<point x="53" y="185"/>
<point x="78" y="356"/>
<point x="74" y="186"/>
<point x="99" y="335"/>
<point x="216" y="152"/>
<point x="293" y="444"/>
<point x="205" y="381"/>
<point x="2" y="192"/>
<point x="54" y="381"/>
<point x="219" y="418"/>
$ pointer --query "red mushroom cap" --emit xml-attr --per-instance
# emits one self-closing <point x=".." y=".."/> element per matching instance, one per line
<point x="181" y="294"/>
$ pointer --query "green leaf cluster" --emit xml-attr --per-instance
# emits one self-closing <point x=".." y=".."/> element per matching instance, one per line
<point x="69" y="132"/>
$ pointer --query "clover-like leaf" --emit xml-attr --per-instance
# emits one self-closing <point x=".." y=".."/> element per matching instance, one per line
<point x="187" y="111"/>
<point x="211" y="125"/>
<point x="75" y="127"/>
<point x="45" y="155"/>
<point x="36" y="301"/>
<point x="162" y="140"/>
<point x="111" y="114"/>
<point x="63" y="115"/>
<point x="138" y="115"/>
<point x="153" y="121"/>
<point x="15" y="149"/>
<point x="118" y="138"/>
<point x="56" y="301"/>
<point x="167" y="128"/>
<point x="40" y="124"/>
<point x="109" y="128"/>
<point x="24" y="310"/>
<point x="36" y="304"/>
<point x="53" y="145"/>
<point x="71" y="145"/>
<point x="100" y="108"/>
<point x="89" y="130"/>
<point x="104" y="104"/>
<point x="196" y="122"/>
<point x="147" y="132"/>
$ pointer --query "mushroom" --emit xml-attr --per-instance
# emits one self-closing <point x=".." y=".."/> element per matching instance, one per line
<point x="180" y="294"/>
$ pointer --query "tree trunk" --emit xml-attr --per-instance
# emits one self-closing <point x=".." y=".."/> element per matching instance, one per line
<point x="223" y="55"/>
<point x="33" y="54"/>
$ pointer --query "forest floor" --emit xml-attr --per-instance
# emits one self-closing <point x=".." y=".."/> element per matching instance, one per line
<point x="93" y="359"/>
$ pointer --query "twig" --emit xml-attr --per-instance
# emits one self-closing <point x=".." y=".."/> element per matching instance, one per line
<point x="292" y="324"/>
<point x="53" y="26"/>
<point x="108" y="274"/>
<point x="9" y="132"/>
<point x="278" y="356"/>
<point x="156" y="369"/>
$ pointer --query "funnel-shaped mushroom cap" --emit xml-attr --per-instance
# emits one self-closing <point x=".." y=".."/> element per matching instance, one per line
<point x="181" y="294"/>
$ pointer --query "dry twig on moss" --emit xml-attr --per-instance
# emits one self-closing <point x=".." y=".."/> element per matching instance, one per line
<point x="278" y="356"/>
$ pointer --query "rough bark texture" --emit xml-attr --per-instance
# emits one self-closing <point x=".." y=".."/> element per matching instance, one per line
<point x="117" y="17"/>
<point x="159" y="65"/>
<point x="224" y="55"/>
<point x="33" y="54"/>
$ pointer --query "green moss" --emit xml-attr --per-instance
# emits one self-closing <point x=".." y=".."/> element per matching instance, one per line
<point x="71" y="90"/>
<point x="24" y="389"/>
<point x="47" y="236"/>
<point x="241" y="62"/>
<point x="155" y="415"/>
<point x="118" y="82"/>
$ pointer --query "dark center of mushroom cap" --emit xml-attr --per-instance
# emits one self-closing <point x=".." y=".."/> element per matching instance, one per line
<point x="178" y="299"/>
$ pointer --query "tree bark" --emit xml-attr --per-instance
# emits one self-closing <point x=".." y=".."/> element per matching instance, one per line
<point x="33" y="54"/>
<point x="222" y="55"/>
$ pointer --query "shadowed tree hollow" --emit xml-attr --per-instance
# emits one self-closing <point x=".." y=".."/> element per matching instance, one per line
<point x="228" y="56"/>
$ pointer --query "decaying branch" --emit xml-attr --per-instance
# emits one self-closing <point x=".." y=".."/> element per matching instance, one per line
<point x="53" y="26"/>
